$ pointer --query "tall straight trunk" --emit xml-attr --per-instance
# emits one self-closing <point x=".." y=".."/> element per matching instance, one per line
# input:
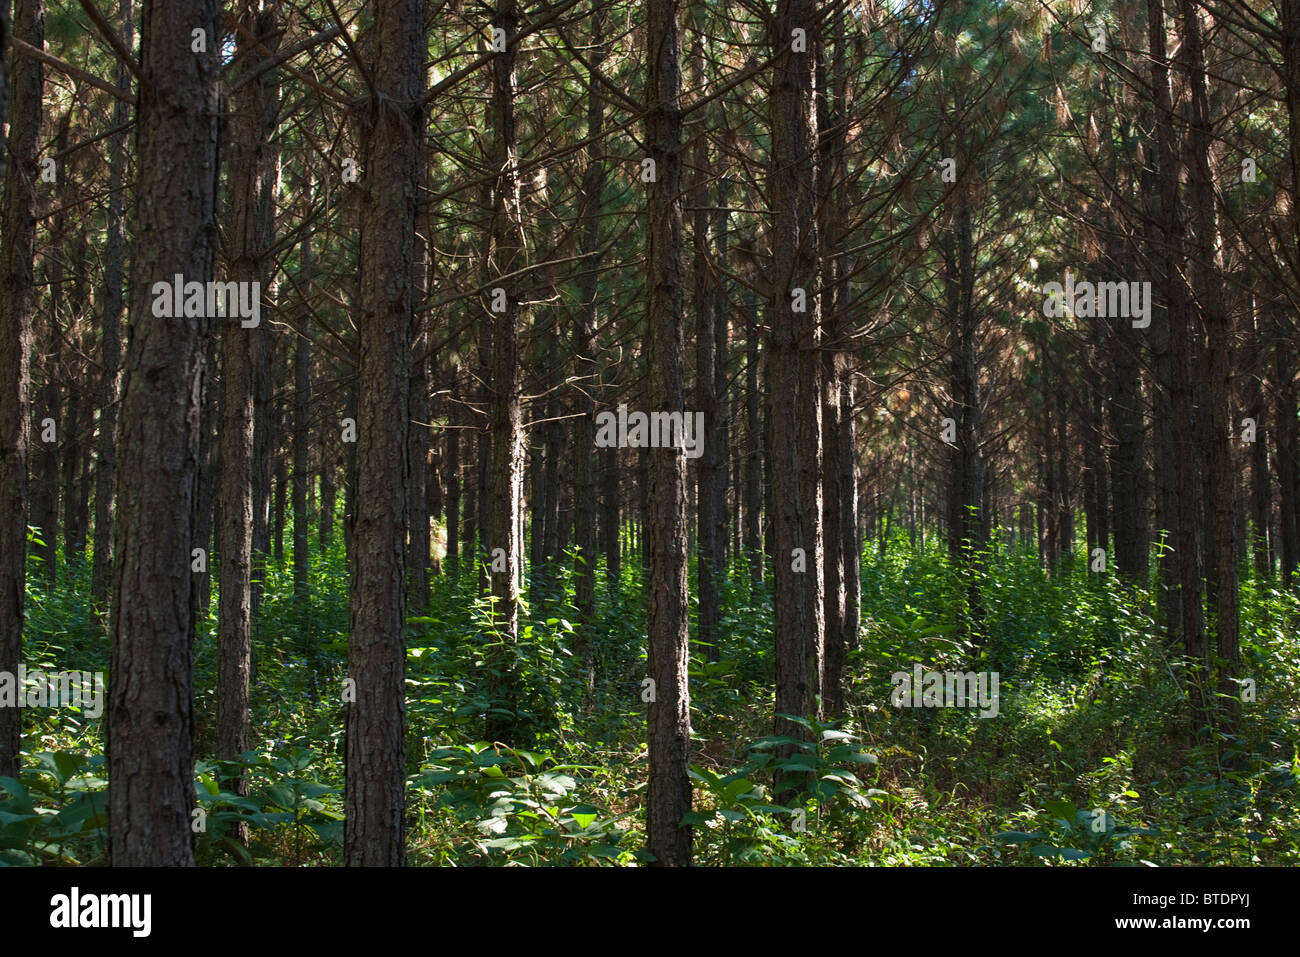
<point x="535" y="481"/>
<point x="584" y="347"/>
<point x="45" y="495"/>
<point x="1093" y="435"/>
<point x="552" y="443"/>
<point x="1191" y="627"/>
<point x="1260" y="484"/>
<point x="279" y="498"/>
<point x="669" y="794"/>
<point x="793" y="371"/>
<point x="53" y="366"/>
<point x="611" y="545"/>
<point x="704" y="304"/>
<point x="392" y="126"/>
<point x="839" y="474"/>
<point x="421" y="436"/>
<point x="267" y="424"/>
<point x="470" y="536"/>
<point x="250" y="165"/>
<point x="1168" y="602"/>
<point x="966" y="492"/>
<point x="302" y="431"/>
<point x="1048" y="513"/>
<point x="350" y="388"/>
<point x="505" y="412"/>
<point x="71" y="455"/>
<point x="1288" y="441"/>
<point x="1128" y="459"/>
<point x="753" y="470"/>
<point x="1061" y="463"/>
<point x="1217" y="369"/>
<point x="452" y="433"/>
<point x="1288" y="434"/>
<point x="717" y="439"/>
<point x="206" y="493"/>
<point x="17" y="302"/>
<point x="329" y="492"/>
<point x="150" y="708"/>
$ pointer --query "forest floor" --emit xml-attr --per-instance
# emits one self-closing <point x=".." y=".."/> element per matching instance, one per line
<point x="1090" y="758"/>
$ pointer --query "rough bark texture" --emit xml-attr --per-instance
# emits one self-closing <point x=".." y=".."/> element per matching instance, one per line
<point x="392" y="123"/>
<point x="1217" y="369"/>
<point x="421" y="436"/>
<point x="302" y="434"/>
<point x="1130" y="485"/>
<point x="669" y="794"/>
<point x="1191" y="626"/>
<point x="505" y="412"/>
<point x="584" y="346"/>
<point x="705" y="304"/>
<point x="150" y="708"/>
<point x="249" y="126"/>
<point x="793" y="368"/>
<point x="16" y="305"/>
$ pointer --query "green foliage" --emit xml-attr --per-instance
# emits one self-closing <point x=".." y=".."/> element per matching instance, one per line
<point x="1092" y="715"/>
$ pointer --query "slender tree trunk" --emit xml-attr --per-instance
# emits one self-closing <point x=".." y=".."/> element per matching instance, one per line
<point x="793" y="371"/>
<point x="1183" y="423"/>
<point x="1130" y="486"/>
<point x="421" y="436"/>
<point x="505" y="414"/>
<point x="251" y="164"/>
<point x="669" y="794"/>
<point x="1288" y="440"/>
<point x="1218" y="366"/>
<point x="754" y="435"/>
<point x="704" y="305"/>
<point x="454" y="421"/>
<point x="302" y="432"/>
<point x="611" y="545"/>
<point x="392" y="126"/>
<point x="584" y="346"/>
<point x="17" y="303"/>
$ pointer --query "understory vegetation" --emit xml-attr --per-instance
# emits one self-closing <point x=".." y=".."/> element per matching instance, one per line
<point x="1090" y="759"/>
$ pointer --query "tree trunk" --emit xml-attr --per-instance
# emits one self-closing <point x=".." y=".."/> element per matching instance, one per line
<point x="150" y="710"/>
<point x="101" y="568"/>
<point x="793" y="370"/>
<point x="1223" y="593"/>
<point x="302" y="433"/>
<point x="704" y="304"/>
<point x="669" y="793"/>
<point x="505" y="413"/>
<point x="392" y="126"/>
<point x="17" y="303"/>
<point x="584" y="347"/>
<point x="1183" y="423"/>
<point x="251" y="164"/>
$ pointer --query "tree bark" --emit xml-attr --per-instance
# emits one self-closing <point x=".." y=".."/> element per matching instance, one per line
<point x="505" y="412"/>
<point x="392" y="125"/>
<point x="584" y="347"/>
<point x="669" y="794"/>
<point x="150" y="710"/>
<point x="17" y="303"/>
